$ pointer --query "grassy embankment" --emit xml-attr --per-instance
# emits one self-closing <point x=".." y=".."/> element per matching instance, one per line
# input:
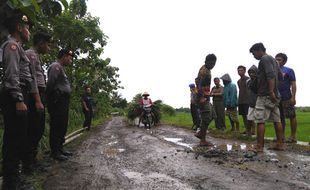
<point x="303" y="125"/>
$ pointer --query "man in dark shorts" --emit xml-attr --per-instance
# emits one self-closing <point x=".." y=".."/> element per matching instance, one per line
<point x="287" y="89"/>
<point x="243" y="100"/>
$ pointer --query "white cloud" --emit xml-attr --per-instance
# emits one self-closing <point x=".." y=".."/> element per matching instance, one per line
<point x="160" y="45"/>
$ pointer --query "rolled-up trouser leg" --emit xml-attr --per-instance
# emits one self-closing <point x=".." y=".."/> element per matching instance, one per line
<point x="205" y="113"/>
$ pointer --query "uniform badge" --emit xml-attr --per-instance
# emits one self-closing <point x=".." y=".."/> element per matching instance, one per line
<point x="33" y="57"/>
<point x="13" y="47"/>
<point x="24" y="18"/>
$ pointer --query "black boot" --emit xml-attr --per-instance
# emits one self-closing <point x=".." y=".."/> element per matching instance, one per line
<point x="58" y="156"/>
<point x="10" y="183"/>
<point x="66" y="153"/>
<point x="16" y="183"/>
<point x="40" y="167"/>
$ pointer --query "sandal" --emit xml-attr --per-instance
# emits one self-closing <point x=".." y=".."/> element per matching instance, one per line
<point x="205" y="143"/>
<point x="256" y="149"/>
<point x="198" y="135"/>
<point x="277" y="147"/>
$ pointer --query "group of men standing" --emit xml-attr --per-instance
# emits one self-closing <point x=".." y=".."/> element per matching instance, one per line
<point x="268" y="94"/>
<point x="24" y="96"/>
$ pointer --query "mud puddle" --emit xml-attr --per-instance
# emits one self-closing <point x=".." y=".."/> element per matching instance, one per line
<point x="116" y="156"/>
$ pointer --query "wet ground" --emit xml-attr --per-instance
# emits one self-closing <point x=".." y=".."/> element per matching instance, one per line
<point x="116" y="156"/>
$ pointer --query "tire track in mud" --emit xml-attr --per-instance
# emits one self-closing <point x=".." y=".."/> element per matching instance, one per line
<point x="116" y="156"/>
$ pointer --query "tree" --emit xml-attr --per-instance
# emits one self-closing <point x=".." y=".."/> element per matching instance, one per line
<point x="118" y="101"/>
<point x="34" y="9"/>
<point x="75" y="29"/>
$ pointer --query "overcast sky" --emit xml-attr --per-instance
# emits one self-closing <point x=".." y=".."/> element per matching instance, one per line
<point x="159" y="45"/>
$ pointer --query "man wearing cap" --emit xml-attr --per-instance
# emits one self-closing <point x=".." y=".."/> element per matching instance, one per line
<point x="58" y="94"/>
<point x="193" y="106"/>
<point x="17" y="83"/>
<point x="36" y="115"/>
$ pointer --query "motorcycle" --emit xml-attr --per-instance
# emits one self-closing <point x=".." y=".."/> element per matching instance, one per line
<point x="147" y="116"/>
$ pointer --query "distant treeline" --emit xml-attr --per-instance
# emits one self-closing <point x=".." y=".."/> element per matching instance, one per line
<point x="303" y="109"/>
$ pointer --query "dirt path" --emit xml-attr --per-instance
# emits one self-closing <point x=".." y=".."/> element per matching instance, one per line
<point x="121" y="157"/>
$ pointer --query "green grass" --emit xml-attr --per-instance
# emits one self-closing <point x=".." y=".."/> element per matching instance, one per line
<point x="303" y="124"/>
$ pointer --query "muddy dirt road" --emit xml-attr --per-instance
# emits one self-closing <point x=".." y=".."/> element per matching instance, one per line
<point x="116" y="156"/>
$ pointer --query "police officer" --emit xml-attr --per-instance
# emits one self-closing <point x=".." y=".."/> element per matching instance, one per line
<point x="58" y="94"/>
<point x="16" y="85"/>
<point x="36" y="114"/>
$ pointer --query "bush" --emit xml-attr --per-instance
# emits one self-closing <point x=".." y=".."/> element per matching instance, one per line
<point x="133" y="110"/>
<point x="166" y="109"/>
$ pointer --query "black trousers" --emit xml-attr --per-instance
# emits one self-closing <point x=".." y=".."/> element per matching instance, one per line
<point x="36" y="126"/>
<point x="195" y="114"/>
<point x="58" y="108"/>
<point x="14" y="145"/>
<point x="88" y="115"/>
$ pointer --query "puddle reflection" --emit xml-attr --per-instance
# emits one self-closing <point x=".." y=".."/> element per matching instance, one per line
<point x="229" y="147"/>
<point x="177" y="141"/>
<point x="243" y="146"/>
<point x="114" y="142"/>
<point x="112" y="152"/>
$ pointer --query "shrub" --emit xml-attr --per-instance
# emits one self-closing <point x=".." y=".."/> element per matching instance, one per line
<point x="166" y="109"/>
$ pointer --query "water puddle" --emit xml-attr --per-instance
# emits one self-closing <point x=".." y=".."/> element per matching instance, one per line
<point x="243" y="146"/>
<point x="133" y="175"/>
<point x="229" y="147"/>
<point x="269" y="153"/>
<point x="112" y="143"/>
<point x="232" y="147"/>
<point x="112" y="152"/>
<point x="121" y="150"/>
<point x="301" y="158"/>
<point x="162" y="181"/>
<point x="177" y="141"/>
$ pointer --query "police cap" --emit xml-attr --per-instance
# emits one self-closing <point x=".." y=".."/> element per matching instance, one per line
<point x="63" y="52"/>
<point x="192" y="85"/>
<point x="11" y="22"/>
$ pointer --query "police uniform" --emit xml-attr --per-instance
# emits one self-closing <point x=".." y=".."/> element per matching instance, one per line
<point x="58" y="94"/>
<point x="36" y="123"/>
<point x="17" y="82"/>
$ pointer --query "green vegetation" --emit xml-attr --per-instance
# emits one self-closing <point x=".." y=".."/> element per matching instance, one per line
<point x="303" y="124"/>
<point x="133" y="109"/>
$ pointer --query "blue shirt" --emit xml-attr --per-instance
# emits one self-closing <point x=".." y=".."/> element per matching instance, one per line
<point x="285" y="83"/>
<point x="230" y="95"/>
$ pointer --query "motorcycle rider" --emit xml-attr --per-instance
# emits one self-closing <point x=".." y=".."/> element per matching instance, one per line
<point x="144" y="101"/>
